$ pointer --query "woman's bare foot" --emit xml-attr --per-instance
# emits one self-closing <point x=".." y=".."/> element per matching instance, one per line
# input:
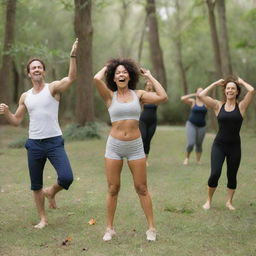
<point x="185" y="162"/>
<point x="230" y="206"/>
<point x="41" y="224"/>
<point x="207" y="205"/>
<point x="51" y="199"/>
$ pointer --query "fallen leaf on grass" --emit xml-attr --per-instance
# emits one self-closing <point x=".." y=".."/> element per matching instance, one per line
<point x="92" y="222"/>
<point x="67" y="240"/>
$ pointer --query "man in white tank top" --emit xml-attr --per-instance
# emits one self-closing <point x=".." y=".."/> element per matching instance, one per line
<point x="45" y="137"/>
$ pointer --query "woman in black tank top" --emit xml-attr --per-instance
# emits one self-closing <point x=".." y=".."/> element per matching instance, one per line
<point x="226" y="144"/>
<point x="148" y="121"/>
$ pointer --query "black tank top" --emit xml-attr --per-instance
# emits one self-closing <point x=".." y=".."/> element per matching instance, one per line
<point x="230" y="123"/>
<point x="148" y="115"/>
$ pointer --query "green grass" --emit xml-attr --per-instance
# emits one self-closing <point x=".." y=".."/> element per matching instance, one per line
<point x="178" y="192"/>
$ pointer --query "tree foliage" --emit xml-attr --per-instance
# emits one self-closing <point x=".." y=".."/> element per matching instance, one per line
<point x="46" y="29"/>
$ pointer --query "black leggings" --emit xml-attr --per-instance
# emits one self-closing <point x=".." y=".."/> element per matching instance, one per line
<point x="232" y="153"/>
<point x="147" y="131"/>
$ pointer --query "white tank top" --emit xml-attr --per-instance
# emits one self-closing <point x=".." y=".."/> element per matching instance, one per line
<point x="124" y="111"/>
<point x="43" y="114"/>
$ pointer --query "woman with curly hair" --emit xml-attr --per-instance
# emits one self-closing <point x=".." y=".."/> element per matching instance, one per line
<point x="227" y="143"/>
<point x="116" y="83"/>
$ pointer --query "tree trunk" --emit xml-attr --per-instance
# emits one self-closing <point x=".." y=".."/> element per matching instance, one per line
<point x="224" y="41"/>
<point x="178" y="46"/>
<point x="217" y="57"/>
<point x="155" y="48"/>
<point x="126" y="40"/>
<point x="84" y="32"/>
<point x="16" y="92"/>
<point x="123" y="35"/>
<point x="142" y="39"/>
<point x="6" y="71"/>
<point x="214" y="37"/>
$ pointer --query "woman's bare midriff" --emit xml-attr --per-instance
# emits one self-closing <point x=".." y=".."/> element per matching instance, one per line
<point x="125" y="130"/>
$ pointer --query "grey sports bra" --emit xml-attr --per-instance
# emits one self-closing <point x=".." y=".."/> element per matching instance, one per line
<point x="124" y="110"/>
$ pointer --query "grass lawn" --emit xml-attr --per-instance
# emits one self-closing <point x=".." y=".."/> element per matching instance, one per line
<point x="178" y="192"/>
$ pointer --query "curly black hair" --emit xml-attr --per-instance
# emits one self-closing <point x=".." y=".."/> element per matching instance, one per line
<point x="232" y="79"/>
<point x="130" y="65"/>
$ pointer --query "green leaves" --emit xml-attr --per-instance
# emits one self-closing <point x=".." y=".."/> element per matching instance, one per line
<point x="75" y="132"/>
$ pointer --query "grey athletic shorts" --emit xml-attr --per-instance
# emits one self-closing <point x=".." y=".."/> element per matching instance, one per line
<point x="118" y="149"/>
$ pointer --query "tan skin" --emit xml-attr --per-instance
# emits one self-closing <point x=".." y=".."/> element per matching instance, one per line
<point x="230" y="93"/>
<point x="127" y="130"/>
<point x="192" y="99"/>
<point x="36" y="74"/>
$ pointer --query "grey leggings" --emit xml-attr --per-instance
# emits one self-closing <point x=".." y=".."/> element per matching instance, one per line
<point x="195" y="136"/>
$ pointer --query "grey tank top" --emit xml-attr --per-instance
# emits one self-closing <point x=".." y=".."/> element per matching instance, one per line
<point x="124" y="110"/>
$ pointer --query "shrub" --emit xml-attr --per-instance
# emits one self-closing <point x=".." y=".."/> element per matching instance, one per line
<point x="72" y="132"/>
<point x="75" y="132"/>
<point x="19" y="143"/>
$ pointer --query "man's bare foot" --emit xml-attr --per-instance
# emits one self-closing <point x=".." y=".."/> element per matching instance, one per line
<point x="185" y="162"/>
<point x="230" y="206"/>
<point x="207" y="205"/>
<point x="50" y="197"/>
<point x="41" y="224"/>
